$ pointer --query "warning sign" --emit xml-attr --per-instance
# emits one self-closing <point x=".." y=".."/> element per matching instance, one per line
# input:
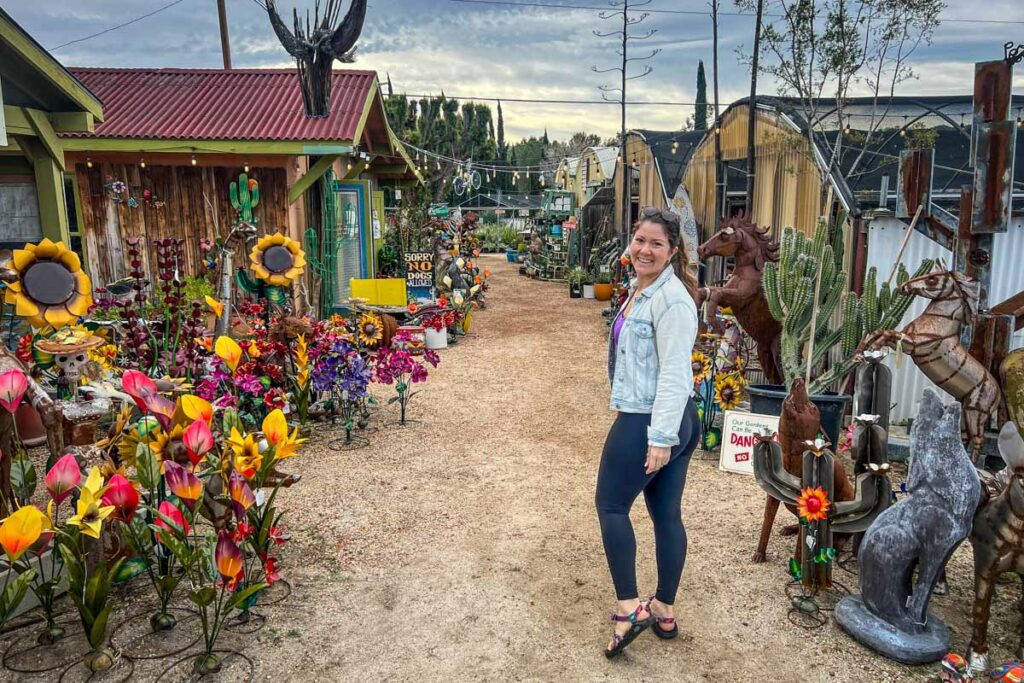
<point x="419" y="269"/>
<point x="738" y="430"/>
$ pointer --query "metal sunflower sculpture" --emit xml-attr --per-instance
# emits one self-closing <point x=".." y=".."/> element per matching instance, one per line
<point x="729" y="390"/>
<point x="371" y="329"/>
<point x="49" y="285"/>
<point x="701" y="366"/>
<point x="277" y="260"/>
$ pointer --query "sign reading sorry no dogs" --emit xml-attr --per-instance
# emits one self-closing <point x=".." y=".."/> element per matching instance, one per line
<point x="419" y="269"/>
<point x="738" y="430"/>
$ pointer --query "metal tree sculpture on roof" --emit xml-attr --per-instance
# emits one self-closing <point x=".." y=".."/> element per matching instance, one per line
<point x="316" y="45"/>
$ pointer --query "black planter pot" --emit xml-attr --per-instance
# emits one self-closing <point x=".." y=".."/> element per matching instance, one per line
<point x="575" y="291"/>
<point x="766" y="399"/>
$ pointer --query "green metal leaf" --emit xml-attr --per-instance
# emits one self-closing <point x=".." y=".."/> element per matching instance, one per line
<point x="794" y="569"/>
<point x="23" y="477"/>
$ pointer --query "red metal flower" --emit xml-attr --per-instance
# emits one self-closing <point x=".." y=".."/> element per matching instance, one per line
<point x="62" y="478"/>
<point x="122" y="495"/>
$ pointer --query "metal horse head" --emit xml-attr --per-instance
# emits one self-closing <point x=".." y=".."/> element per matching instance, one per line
<point x="738" y="235"/>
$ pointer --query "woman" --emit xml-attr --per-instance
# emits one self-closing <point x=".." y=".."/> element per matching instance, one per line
<point x="649" y="446"/>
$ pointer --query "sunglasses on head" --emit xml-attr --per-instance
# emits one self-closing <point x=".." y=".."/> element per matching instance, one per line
<point x="654" y="212"/>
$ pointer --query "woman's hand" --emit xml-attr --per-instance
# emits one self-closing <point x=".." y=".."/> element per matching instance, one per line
<point x="657" y="457"/>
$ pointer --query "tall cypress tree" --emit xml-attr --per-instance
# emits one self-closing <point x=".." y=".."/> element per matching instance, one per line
<point x="501" y="133"/>
<point x="700" y="116"/>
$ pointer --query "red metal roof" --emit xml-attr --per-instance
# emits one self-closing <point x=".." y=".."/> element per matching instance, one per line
<point x="213" y="104"/>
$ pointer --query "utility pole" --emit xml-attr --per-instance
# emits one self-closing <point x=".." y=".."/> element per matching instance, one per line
<point x="625" y="6"/>
<point x="720" y="180"/>
<point x="225" y="44"/>
<point x="752" y="118"/>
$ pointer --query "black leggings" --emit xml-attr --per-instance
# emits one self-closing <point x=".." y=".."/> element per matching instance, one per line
<point x="621" y="479"/>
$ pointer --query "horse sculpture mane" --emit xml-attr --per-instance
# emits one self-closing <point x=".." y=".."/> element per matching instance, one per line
<point x="767" y="248"/>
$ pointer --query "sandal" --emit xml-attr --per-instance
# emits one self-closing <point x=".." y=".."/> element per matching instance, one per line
<point x="658" y="630"/>
<point x="638" y="626"/>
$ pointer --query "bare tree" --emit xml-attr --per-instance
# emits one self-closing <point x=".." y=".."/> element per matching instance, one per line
<point x="622" y="13"/>
<point x="822" y="49"/>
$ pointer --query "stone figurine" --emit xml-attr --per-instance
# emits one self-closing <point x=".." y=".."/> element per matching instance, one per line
<point x="933" y="342"/>
<point x="919" y="532"/>
<point x="743" y="292"/>
<point x="998" y="540"/>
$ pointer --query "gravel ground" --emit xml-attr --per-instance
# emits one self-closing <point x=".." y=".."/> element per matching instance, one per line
<point x="466" y="547"/>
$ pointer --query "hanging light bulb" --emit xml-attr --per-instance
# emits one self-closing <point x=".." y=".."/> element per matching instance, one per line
<point x="903" y="130"/>
<point x="246" y="167"/>
<point x="962" y="122"/>
<point x="142" y="163"/>
<point x="88" y="161"/>
<point x="194" y="160"/>
<point x="348" y="166"/>
<point x="1020" y="122"/>
<point x="846" y="131"/>
<point x="439" y="165"/>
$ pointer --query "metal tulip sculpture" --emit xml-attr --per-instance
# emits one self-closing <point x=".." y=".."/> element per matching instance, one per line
<point x="812" y="494"/>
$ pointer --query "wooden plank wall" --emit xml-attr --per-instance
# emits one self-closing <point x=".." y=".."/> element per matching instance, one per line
<point x="196" y="206"/>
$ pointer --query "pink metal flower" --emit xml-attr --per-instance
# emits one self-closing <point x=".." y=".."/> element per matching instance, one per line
<point x="122" y="495"/>
<point x="62" y="478"/>
<point x="198" y="441"/>
<point x="183" y="483"/>
<point x="13" y="384"/>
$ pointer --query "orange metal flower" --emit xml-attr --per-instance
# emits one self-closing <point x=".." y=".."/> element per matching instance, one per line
<point x="21" y="530"/>
<point x="227" y="556"/>
<point x="813" y="504"/>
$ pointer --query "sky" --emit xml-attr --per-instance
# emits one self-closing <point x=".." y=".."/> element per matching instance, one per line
<point x="499" y="50"/>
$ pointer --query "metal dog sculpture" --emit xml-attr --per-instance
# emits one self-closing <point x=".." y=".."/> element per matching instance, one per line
<point x="751" y="248"/>
<point x="933" y="342"/>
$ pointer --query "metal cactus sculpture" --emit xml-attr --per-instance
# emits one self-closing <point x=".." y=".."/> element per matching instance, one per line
<point x="245" y="196"/>
<point x="874" y="388"/>
<point x="808" y="284"/>
<point x="317" y="45"/>
<point x="821" y="520"/>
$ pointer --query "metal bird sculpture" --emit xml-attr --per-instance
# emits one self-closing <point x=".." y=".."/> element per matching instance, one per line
<point x="316" y="45"/>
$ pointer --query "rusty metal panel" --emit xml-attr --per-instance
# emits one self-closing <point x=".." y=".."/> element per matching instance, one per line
<point x="993" y="83"/>
<point x="993" y="176"/>
<point x="914" y="184"/>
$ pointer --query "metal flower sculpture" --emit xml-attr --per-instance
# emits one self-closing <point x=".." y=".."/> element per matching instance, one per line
<point x="277" y="260"/>
<point x="50" y="287"/>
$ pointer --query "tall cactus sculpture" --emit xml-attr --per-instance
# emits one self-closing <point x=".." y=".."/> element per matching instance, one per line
<point x="796" y="298"/>
<point x="245" y="195"/>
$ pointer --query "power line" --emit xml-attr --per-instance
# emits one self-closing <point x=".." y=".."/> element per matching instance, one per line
<point x="693" y="12"/>
<point x="114" y="28"/>
<point x="541" y="101"/>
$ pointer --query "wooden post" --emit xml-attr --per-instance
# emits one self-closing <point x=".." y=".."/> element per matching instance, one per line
<point x="225" y="43"/>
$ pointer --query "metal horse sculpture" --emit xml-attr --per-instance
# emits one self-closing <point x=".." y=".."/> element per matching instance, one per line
<point x="998" y="539"/>
<point x="751" y="248"/>
<point x="933" y="342"/>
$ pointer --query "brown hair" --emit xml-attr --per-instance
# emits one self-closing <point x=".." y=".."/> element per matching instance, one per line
<point x="669" y="222"/>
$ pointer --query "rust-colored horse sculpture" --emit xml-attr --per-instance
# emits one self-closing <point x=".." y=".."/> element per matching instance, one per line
<point x="751" y="248"/>
<point x="933" y="341"/>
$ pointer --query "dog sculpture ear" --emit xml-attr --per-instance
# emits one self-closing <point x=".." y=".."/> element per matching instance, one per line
<point x="1011" y="446"/>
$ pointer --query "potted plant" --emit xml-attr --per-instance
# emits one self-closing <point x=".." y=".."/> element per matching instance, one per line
<point x="575" y="279"/>
<point x="807" y="290"/>
<point x="588" y="286"/>
<point x="603" y="287"/>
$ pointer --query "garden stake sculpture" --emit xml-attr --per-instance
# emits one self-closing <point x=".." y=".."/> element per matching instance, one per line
<point x="998" y="540"/>
<point x="933" y="342"/>
<point x="751" y="248"/>
<point x="873" y="495"/>
<point x="316" y="46"/>
<point x="799" y="423"/>
<point x="919" y="532"/>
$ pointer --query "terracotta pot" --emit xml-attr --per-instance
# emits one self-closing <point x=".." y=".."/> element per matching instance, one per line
<point x="603" y="291"/>
<point x="30" y="426"/>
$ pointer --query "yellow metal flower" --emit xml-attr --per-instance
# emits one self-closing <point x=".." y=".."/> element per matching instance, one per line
<point x="701" y="365"/>
<point x="248" y="459"/>
<point x="277" y="260"/>
<point x="301" y="362"/>
<point x="90" y="513"/>
<point x="275" y="430"/>
<point x="105" y="355"/>
<point x="371" y="329"/>
<point x="167" y="445"/>
<point x="51" y="287"/>
<point x="728" y="391"/>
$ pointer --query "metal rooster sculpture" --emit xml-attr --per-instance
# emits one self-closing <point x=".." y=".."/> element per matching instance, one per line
<point x="316" y="45"/>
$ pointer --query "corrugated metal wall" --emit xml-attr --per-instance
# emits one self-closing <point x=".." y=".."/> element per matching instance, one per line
<point x="787" y="184"/>
<point x="884" y="238"/>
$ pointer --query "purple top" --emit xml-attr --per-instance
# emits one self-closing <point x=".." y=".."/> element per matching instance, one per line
<point x="616" y="328"/>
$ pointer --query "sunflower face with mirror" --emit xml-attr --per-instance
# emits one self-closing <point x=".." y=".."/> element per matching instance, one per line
<point x="277" y="260"/>
<point x="48" y="286"/>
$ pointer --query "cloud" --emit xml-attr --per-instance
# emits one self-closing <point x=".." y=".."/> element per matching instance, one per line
<point x="491" y="50"/>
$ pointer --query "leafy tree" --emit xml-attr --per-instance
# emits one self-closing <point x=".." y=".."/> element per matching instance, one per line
<point x="502" y="150"/>
<point x="700" y="114"/>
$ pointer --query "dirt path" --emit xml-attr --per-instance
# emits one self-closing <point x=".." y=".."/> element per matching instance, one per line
<point x="467" y="547"/>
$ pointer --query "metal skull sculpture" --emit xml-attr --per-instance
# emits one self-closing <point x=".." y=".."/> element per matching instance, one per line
<point x="71" y="365"/>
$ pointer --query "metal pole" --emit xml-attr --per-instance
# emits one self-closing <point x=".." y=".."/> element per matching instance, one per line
<point x="751" y="118"/>
<point x="719" y="168"/>
<point x="626" y="179"/>
<point x="225" y="44"/>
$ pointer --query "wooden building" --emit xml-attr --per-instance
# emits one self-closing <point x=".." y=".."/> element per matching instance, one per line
<point x="41" y="100"/>
<point x="172" y="140"/>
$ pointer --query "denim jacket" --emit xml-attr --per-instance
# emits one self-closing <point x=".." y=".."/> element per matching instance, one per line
<point x="650" y="369"/>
